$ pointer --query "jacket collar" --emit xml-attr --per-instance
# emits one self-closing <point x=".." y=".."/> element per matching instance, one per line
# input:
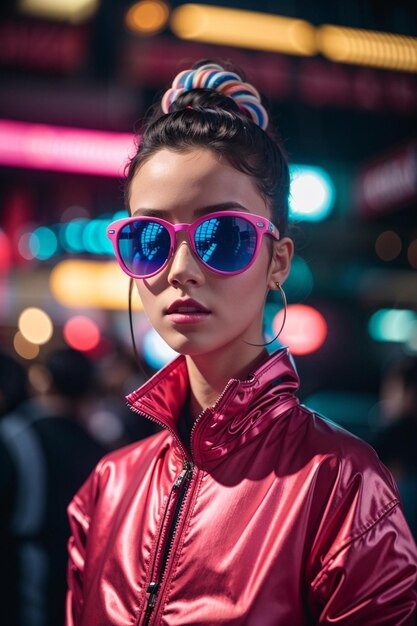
<point x="243" y="410"/>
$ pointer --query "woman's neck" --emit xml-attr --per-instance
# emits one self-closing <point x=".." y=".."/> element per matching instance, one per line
<point x="210" y="373"/>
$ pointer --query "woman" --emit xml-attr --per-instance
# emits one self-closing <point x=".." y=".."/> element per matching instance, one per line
<point x="247" y="509"/>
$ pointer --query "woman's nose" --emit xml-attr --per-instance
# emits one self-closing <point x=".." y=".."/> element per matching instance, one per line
<point x="184" y="267"/>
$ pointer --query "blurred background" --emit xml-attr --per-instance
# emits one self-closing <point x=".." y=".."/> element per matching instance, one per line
<point x="340" y="78"/>
<point x="77" y="77"/>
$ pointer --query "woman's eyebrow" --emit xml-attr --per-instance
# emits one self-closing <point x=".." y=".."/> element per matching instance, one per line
<point x="222" y="206"/>
<point x="149" y="213"/>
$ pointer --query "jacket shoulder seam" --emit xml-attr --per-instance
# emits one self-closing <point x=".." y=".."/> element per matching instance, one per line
<point x="360" y="531"/>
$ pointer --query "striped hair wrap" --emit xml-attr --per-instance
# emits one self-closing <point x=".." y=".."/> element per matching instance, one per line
<point x="213" y="76"/>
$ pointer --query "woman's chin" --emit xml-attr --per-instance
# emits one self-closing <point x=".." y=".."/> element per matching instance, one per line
<point x="187" y="346"/>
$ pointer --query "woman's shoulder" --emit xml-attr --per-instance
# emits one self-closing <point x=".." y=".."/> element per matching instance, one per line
<point x="331" y="437"/>
<point x="319" y="441"/>
<point x="117" y="467"/>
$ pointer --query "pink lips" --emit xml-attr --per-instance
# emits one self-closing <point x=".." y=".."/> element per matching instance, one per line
<point x="187" y="311"/>
<point x="188" y="305"/>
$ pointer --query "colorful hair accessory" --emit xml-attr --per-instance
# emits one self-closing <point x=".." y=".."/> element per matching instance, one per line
<point x="213" y="76"/>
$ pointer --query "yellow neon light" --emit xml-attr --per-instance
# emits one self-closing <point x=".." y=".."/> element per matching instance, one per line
<point x="91" y="284"/>
<point x="75" y="11"/>
<point x="275" y="33"/>
<point x="365" y="47"/>
<point x="247" y="29"/>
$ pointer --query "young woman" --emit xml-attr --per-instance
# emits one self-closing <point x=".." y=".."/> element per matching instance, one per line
<point x="247" y="509"/>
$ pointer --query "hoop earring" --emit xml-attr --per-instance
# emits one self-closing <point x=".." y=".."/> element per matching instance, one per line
<point x="284" y="300"/>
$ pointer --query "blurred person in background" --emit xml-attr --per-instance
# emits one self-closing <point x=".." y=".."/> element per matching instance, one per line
<point x="45" y="455"/>
<point x="248" y="508"/>
<point x="396" y="443"/>
<point x="110" y="420"/>
<point x="13" y="392"/>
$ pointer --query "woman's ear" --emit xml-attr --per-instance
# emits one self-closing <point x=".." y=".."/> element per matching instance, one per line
<point x="282" y="254"/>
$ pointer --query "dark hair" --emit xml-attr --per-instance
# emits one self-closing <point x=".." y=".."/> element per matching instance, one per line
<point x="216" y="122"/>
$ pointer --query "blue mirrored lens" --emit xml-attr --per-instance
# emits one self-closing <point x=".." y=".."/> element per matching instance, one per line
<point x="144" y="247"/>
<point x="226" y="243"/>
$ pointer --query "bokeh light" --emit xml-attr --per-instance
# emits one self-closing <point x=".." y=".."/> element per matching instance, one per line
<point x="43" y="243"/>
<point x="156" y="351"/>
<point x="81" y="333"/>
<point x="305" y="328"/>
<point x="59" y="148"/>
<point x="366" y="47"/>
<point x="74" y="11"/>
<point x="312" y="193"/>
<point x="412" y="254"/>
<point x="23" y="246"/>
<point x="72" y="235"/>
<point x="91" y="284"/>
<point x="25" y="348"/>
<point x="5" y="252"/>
<point x="394" y="325"/>
<point x="40" y="378"/>
<point x="147" y="17"/>
<point x="411" y="344"/>
<point x="388" y="245"/>
<point x="95" y="238"/>
<point x="74" y="212"/>
<point x="35" y="325"/>
<point x="91" y="236"/>
<point x="244" y="29"/>
<point x="300" y="281"/>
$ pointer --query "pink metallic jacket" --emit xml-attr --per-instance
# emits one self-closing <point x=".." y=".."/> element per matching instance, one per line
<point x="279" y="518"/>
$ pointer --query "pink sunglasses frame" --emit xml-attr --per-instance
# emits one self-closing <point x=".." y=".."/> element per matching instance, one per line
<point x="261" y="224"/>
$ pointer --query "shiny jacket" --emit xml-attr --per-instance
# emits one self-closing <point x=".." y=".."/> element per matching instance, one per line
<point x="277" y="518"/>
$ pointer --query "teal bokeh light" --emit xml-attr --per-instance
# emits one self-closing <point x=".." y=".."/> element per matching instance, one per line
<point x="72" y="235"/>
<point x="92" y="237"/>
<point x="156" y="351"/>
<point x="119" y="215"/>
<point x="43" y="243"/>
<point x="299" y="283"/>
<point x="395" y="325"/>
<point x="104" y="242"/>
<point x="312" y="193"/>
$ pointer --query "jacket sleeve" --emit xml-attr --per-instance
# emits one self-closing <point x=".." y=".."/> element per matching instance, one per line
<point x="369" y="577"/>
<point x="80" y="511"/>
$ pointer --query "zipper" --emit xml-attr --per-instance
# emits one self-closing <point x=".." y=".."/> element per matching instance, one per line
<point x="181" y="483"/>
<point x="213" y="408"/>
<point x="180" y="486"/>
<point x="162" y="425"/>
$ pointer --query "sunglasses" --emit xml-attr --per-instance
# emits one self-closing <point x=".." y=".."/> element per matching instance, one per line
<point x="226" y="242"/>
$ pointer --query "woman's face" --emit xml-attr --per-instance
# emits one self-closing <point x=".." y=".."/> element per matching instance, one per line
<point x="176" y="186"/>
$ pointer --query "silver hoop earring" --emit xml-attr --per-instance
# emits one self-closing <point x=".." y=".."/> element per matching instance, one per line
<point x="284" y="301"/>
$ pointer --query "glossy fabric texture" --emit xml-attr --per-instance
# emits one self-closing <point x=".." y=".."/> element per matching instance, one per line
<point x="287" y="520"/>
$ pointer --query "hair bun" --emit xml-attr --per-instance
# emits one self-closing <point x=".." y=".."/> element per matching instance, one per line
<point x="213" y="76"/>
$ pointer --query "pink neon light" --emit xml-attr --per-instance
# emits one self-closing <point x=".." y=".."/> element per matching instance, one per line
<point x="40" y="146"/>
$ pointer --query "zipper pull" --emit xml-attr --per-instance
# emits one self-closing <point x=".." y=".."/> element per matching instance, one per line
<point x="181" y="478"/>
<point x="153" y="591"/>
